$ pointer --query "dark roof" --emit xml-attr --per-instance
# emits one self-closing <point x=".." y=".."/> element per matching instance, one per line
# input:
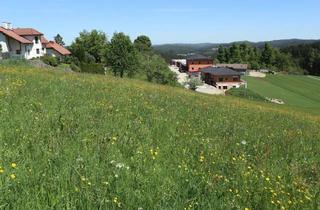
<point x="197" y="57"/>
<point x="220" y="71"/>
<point x="233" y="66"/>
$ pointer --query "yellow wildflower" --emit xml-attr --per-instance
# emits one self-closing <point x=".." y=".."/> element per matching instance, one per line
<point x="1" y="170"/>
<point x="115" y="200"/>
<point x="13" y="176"/>
<point x="13" y="165"/>
<point x="246" y="209"/>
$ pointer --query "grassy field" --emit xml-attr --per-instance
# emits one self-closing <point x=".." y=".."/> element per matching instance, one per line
<point x="298" y="92"/>
<point x="77" y="141"/>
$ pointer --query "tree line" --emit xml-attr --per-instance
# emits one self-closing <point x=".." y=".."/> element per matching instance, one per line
<point x="307" y="56"/>
<point x="266" y="58"/>
<point x="92" y="52"/>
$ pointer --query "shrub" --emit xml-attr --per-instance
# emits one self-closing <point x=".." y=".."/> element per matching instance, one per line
<point x="194" y="83"/>
<point x="49" y="60"/>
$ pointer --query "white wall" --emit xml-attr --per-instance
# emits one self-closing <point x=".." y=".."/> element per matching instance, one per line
<point x="32" y="49"/>
<point x="3" y="43"/>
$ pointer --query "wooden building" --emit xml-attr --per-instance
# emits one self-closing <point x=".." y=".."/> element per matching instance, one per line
<point x="197" y="62"/>
<point x="222" y="78"/>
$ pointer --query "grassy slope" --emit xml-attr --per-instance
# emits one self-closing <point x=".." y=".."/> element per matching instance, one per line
<point x="88" y="142"/>
<point x="298" y="92"/>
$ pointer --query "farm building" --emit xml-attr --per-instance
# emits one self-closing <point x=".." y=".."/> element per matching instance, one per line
<point x="197" y="62"/>
<point x="222" y="78"/>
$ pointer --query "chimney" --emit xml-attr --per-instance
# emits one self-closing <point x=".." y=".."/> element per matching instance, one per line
<point x="7" y="25"/>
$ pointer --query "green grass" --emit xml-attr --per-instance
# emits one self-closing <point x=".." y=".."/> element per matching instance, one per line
<point x="298" y="92"/>
<point x="92" y="142"/>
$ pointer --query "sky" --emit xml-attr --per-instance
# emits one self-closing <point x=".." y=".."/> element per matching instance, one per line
<point x="170" y="21"/>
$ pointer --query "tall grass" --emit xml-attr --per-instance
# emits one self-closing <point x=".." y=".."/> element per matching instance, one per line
<point x="75" y="141"/>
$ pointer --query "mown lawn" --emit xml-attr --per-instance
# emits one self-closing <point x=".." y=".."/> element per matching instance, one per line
<point x="299" y="92"/>
<point x="77" y="141"/>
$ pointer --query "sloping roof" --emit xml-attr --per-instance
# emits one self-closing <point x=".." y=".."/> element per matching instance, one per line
<point x="57" y="47"/>
<point x="197" y="57"/>
<point x="27" y="31"/>
<point x="44" y="40"/>
<point x="233" y="66"/>
<point x="13" y="35"/>
<point x="220" y="71"/>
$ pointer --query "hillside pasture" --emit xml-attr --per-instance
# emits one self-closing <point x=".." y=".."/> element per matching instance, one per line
<point x="80" y="141"/>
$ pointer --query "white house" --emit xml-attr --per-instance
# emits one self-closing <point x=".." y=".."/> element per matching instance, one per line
<point x="28" y="43"/>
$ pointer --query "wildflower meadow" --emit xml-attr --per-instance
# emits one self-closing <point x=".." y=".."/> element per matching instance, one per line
<point x="79" y="141"/>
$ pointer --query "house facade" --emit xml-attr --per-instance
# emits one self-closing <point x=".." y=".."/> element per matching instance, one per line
<point x="27" y="43"/>
<point x="197" y="62"/>
<point x="222" y="78"/>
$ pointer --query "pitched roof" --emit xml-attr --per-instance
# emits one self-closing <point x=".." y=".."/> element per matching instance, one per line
<point x="44" y="40"/>
<point x="57" y="47"/>
<point x="233" y="65"/>
<point x="13" y="35"/>
<point x="197" y="57"/>
<point x="27" y="31"/>
<point x="220" y="71"/>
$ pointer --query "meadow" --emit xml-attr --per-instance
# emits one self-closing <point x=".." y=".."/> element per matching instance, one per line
<point x="298" y="92"/>
<point x="80" y="141"/>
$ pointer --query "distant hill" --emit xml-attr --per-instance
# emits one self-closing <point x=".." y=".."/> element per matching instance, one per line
<point x="173" y="50"/>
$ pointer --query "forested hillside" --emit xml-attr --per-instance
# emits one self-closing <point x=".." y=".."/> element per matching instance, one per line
<point x="307" y="56"/>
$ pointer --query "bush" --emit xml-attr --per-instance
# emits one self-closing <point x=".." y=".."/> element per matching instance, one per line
<point x="49" y="60"/>
<point x="93" y="68"/>
<point x="156" y="70"/>
<point x="194" y="83"/>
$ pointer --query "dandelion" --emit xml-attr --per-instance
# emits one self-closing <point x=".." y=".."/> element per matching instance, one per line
<point x="246" y="209"/>
<point x="267" y="179"/>
<point x="13" y="165"/>
<point x="115" y="200"/>
<point x="13" y="176"/>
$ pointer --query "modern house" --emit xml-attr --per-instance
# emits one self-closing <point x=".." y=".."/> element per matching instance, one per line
<point x="27" y="43"/>
<point x="222" y="78"/>
<point x="197" y="62"/>
<point x="242" y="68"/>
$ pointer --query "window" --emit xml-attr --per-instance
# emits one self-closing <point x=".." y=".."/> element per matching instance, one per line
<point x="235" y="79"/>
<point x="225" y="87"/>
<point x="38" y="51"/>
<point x="28" y="52"/>
<point x="43" y="49"/>
<point x="36" y="39"/>
<point x="18" y="52"/>
<point x="220" y="79"/>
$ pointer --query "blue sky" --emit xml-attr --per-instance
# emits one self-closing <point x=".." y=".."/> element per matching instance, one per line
<point x="169" y="21"/>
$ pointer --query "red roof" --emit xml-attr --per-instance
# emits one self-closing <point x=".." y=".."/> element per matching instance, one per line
<point x="57" y="47"/>
<point x="13" y="35"/>
<point x="27" y="31"/>
<point x="44" y="40"/>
